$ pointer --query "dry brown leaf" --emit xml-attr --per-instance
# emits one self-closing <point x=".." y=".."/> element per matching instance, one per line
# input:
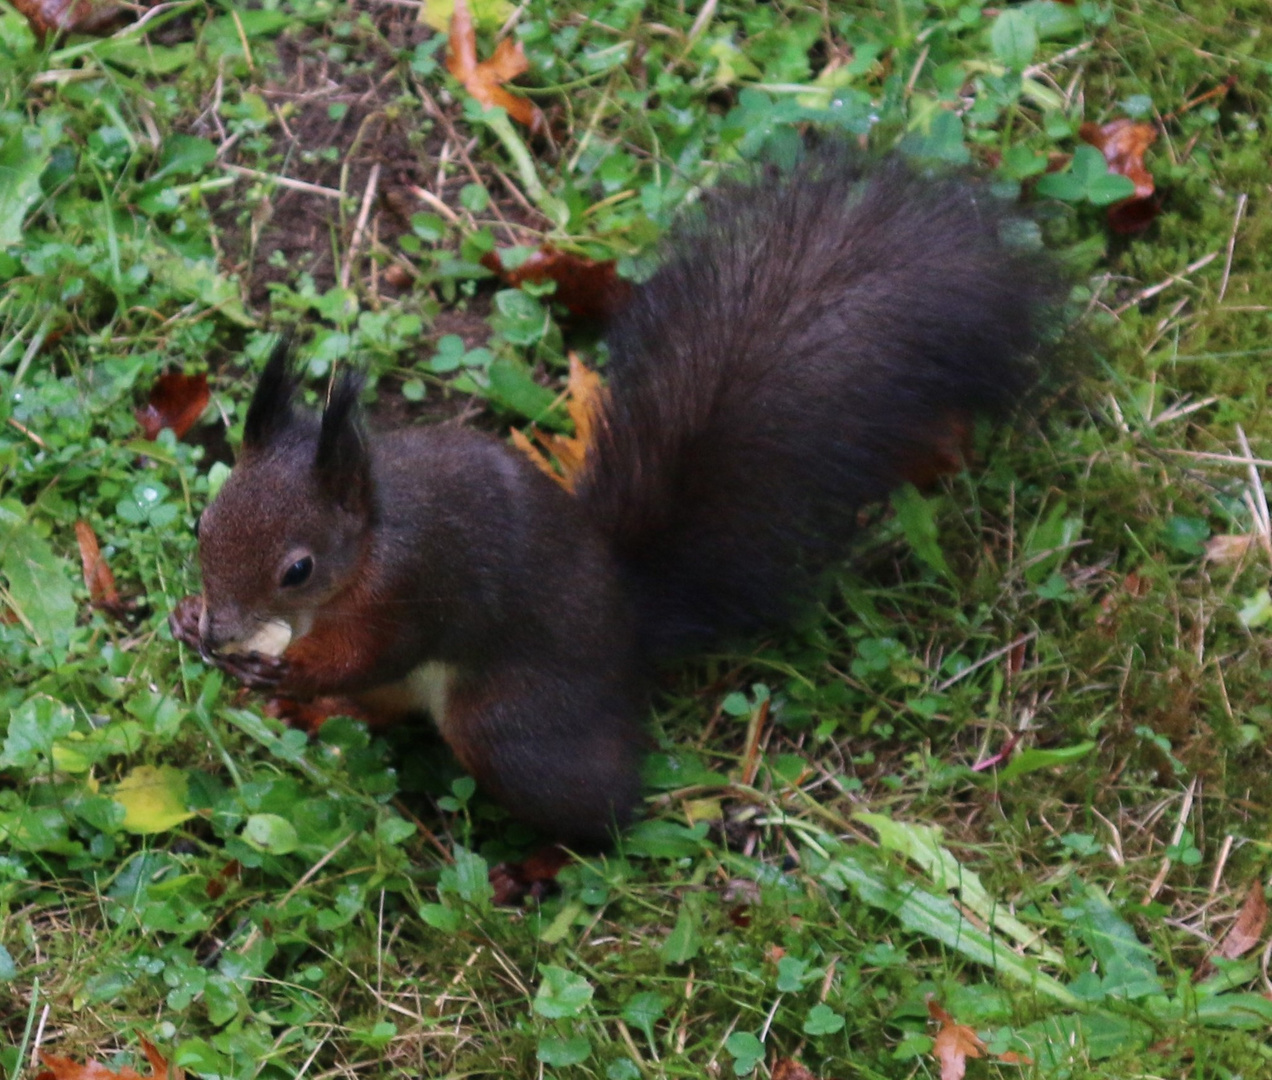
<point x="98" y="578"/>
<point x="176" y="401"/>
<point x="70" y="16"/>
<point x="1123" y="143"/>
<point x="787" y="1069"/>
<point x="1247" y="931"/>
<point x="585" y="398"/>
<point x="588" y="288"/>
<point x="60" y="1068"/>
<point x="1228" y="549"/>
<point x="533" y="876"/>
<point x="954" y="1044"/>
<point x="484" y="79"/>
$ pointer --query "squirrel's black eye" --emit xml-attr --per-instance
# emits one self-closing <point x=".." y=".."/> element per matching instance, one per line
<point x="298" y="573"/>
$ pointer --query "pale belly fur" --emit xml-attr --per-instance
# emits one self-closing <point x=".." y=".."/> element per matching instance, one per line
<point x="425" y="688"/>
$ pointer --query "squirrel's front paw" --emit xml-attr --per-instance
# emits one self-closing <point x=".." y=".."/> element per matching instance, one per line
<point x="253" y="669"/>
<point x="184" y="621"/>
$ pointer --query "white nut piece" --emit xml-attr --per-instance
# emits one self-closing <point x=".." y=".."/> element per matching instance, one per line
<point x="271" y="639"/>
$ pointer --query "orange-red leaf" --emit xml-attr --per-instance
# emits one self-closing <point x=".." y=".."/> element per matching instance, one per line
<point x="586" y="396"/>
<point x="588" y="288"/>
<point x="98" y="578"/>
<point x="69" y="16"/>
<point x="1247" y="931"/>
<point x="954" y="1044"/>
<point x="484" y="79"/>
<point x="176" y="401"/>
<point x="1123" y="143"/>
<point x="61" y="1068"/>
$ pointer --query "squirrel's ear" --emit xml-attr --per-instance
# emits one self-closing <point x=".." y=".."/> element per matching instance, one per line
<point x="270" y="412"/>
<point x="342" y="463"/>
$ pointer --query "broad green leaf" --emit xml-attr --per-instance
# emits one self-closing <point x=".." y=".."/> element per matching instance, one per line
<point x="1014" y="38"/>
<point x="146" y="59"/>
<point x="1110" y="188"/>
<point x="1074" y="1040"/>
<point x="23" y="157"/>
<point x="665" y="839"/>
<point x="39" y="583"/>
<point x="1032" y="760"/>
<point x="685" y="940"/>
<point x="562" y="994"/>
<point x="1128" y="965"/>
<point x="747" y="1051"/>
<point x="918" y="522"/>
<point x="271" y="833"/>
<point x="184" y="155"/>
<point x="645" y="1010"/>
<point x="822" y="1020"/>
<point x="562" y="1052"/>
<point x="468" y="878"/>
<point x="153" y="798"/>
<point x="939" y="918"/>
<point x="199" y="279"/>
<point x="921" y="844"/>
<point x="33" y="727"/>
<point x="513" y="387"/>
<point x="8" y="969"/>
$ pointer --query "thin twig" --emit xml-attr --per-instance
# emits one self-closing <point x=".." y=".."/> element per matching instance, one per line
<point x="988" y="658"/>
<point x="1259" y="499"/>
<point x="1162" y="286"/>
<point x="1175" y="837"/>
<point x="283" y="181"/>
<point x="1242" y="199"/>
<point x="360" y="226"/>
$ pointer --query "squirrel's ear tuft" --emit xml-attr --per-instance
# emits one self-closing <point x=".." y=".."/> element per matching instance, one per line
<point x="342" y="463"/>
<point x="270" y="412"/>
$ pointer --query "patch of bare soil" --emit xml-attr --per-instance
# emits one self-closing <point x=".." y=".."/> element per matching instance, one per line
<point x="348" y="162"/>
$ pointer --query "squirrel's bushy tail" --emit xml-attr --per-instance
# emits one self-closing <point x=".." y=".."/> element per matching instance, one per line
<point x="811" y="341"/>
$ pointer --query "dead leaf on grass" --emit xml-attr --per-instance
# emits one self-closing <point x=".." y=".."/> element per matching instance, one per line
<point x="98" y="578"/>
<point x="533" y="876"/>
<point x="586" y="395"/>
<point x="1229" y="549"/>
<point x="70" y="16"/>
<point x="1123" y="143"/>
<point x="1247" y="931"/>
<point x="588" y="288"/>
<point x="176" y="401"/>
<point x="485" y="79"/>
<point x="61" y="1068"/>
<point x="954" y="1044"/>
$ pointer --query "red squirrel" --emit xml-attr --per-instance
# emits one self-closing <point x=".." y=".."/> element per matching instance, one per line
<point x="807" y="345"/>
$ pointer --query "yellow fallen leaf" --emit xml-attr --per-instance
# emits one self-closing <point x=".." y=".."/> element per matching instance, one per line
<point x="153" y="798"/>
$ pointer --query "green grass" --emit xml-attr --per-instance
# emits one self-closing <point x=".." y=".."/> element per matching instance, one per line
<point x="819" y="855"/>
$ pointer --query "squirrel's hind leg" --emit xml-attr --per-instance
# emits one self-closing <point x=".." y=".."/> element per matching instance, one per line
<point x="561" y="751"/>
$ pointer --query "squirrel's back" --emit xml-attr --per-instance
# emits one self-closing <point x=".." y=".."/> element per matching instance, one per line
<point x="810" y="342"/>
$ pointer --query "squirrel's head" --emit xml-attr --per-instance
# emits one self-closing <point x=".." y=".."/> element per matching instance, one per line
<point x="287" y="530"/>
